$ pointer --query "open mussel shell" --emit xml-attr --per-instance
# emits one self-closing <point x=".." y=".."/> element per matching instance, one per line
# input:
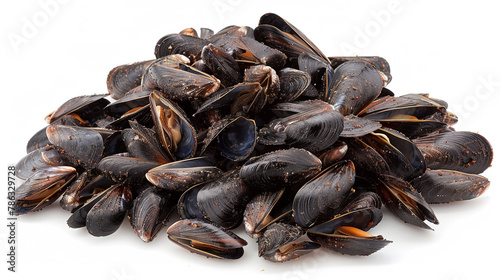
<point x="123" y="78"/>
<point x="257" y="212"/>
<point x="223" y="201"/>
<point x="186" y="45"/>
<point x="443" y="186"/>
<point x="319" y="198"/>
<point x="404" y="201"/>
<point x="39" y="159"/>
<point x="178" y="81"/>
<point x="187" y="205"/>
<point x="141" y="142"/>
<point x="224" y="67"/>
<point x="180" y="175"/>
<point x="173" y="128"/>
<point x="82" y="146"/>
<point x="314" y="129"/>
<point x="274" y="170"/>
<point x="355" y="84"/>
<point x="88" y="108"/>
<point x="82" y="189"/>
<point x="278" y="243"/>
<point x="461" y="151"/>
<point x="42" y="188"/>
<point x="236" y="137"/>
<point x="204" y="238"/>
<point x="149" y="212"/>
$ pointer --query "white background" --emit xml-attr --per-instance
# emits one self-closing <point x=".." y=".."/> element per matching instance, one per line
<point x="447" y="49"/>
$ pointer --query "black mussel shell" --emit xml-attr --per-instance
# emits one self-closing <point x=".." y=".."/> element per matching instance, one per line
<point x="82" y="189"/>
<point x="37" y="141"/>
<point x="82" y="146"/>
<point x="278" y="243"/>
<point x="178" y="81"/>
<point x="443" y="186"/>
<point x="141" y="142"/>
<point x="125" y="169"/>
<point x="355" y="84"/>
<point x="235" y="97"/>
<point x="187" y="205"/>
<point x="106" y="216"/>
<point x="320" y="198"/>
<point x="180" y="175"/>
<point x="123" y="78"/>
<point x="249" y="51"/>
<point x="314" y="129"/>
<point x="378" y="62"/>
<point x="350" y="241"/>
<point x="461" y="151"/>
<point x="274" y="170"/>
<point x="222" y="65"/>
<point x="283" y="25"/>
<point x="42" y="188"/>
<point x="149" y="212"/>
<point x="39" y="159"/>
<point x="223" y="201"/>
<point x="356" y="127"/>
<point x="257" y="212"/>
<point x="206" y="239"/>
<point x="293" y="83"/>
<point x="404" y="201"/>
<point x="369" y="163"/>
<point x="188" y="46"/>
<point x="270" y="87"/>
<point x="88" y="108"/>
<point x="127" y="103"/>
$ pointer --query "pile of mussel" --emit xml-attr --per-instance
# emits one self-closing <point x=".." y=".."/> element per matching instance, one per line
<point x="254" y="128"/>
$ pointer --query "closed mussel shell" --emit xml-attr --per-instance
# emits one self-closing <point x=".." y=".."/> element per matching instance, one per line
<point x="223" y="201"/>
<point x="222" y="65"/>
<point x="355" y="84"/>
<point x="180" y="175"/>
<point x="314" y="129"/>
<point x="149" y="212"/>
<point x="257" y="212"/>
<point x="346" y="233"/>
<point x="406" y="203"/>
<point x="278" y="169"/>
<point x="141" y="142"/>
<point x="106" y="216"/>
<point x="82" y="146"/>
<point x="123" y="78"/>
<point x="82" y="189"/>
<point x="39" y="159"/>
<point x="461" y="151"/>
<point x="188" y="46"/>
<point x="204" y="238"/>
<point x="42" y="188"/>
<point x="87" y="107"/>
<point x="293" y="83"/>
<point x="319" y="198"/>
<point x="443" y="186"/>
<point x="278" y="243"/>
